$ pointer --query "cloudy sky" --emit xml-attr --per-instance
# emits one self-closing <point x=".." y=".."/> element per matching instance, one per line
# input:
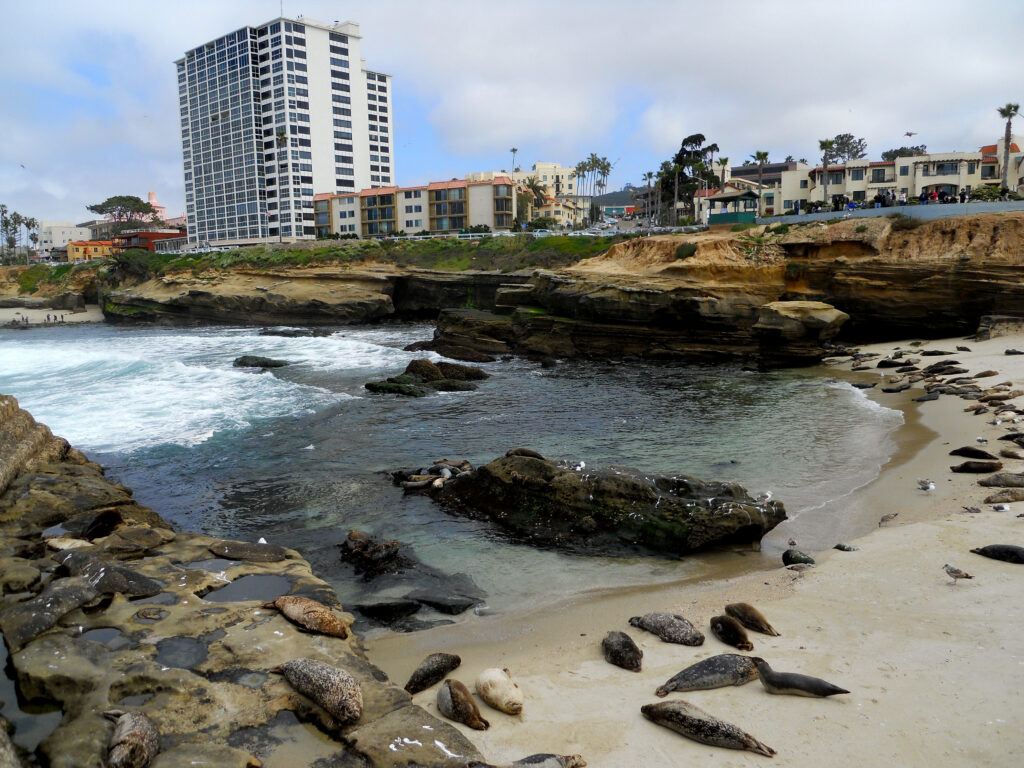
<point x="89" y="104"/>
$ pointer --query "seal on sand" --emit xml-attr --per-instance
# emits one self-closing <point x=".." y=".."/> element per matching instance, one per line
<point x="432" y="669"/>
<point x="794" y="684"/>
<point x="730" y="632"/>
<point x="750" y="617"/>
<point x="716" y="672"/>
<point x="310" y="614"/>
<point x="619" y="649"/>
<point x="694" y="723"/>
<point x="455" y="702"/>
<point x="333" y="688"/>
<point x="538" y="761"/>
<point x="670" y="627"/>
<point x="135" y="741"/>
<point x="496" y="687"/>
<point x="1009" y="553"/>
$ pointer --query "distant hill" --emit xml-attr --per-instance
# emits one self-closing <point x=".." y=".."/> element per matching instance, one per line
<point x="622" y="197"/>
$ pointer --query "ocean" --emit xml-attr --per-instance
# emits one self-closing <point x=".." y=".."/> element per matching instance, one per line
<point x="300" y="455"/>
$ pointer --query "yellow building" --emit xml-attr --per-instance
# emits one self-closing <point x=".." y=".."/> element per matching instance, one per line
<point x="87" y="250"/>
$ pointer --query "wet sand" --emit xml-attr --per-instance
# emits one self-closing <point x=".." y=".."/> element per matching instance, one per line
<point x="936" y="671"/>
<point x="37" y="317"/>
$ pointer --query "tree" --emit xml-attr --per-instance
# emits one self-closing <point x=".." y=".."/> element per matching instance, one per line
<point x="892" y="154"/>
<point x="827" y="147"/>
<point x="123" y="208"/>
<point x="760" y="158"/>
<point x="789" y="159"/>
<point x="1008" y="112"/>
<point x="536" y="189"/>
<point x="513" y="151"/>
<point x="846" y="147"/>
<point x="723" y="163"/>
<point x="647" y="201"/>
<point x="694" y="159"/>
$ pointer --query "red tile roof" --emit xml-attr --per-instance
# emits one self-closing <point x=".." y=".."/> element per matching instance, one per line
<point x="453" y="184"/>
<point x="884" y="162"/>
<point x="91" y="242"/>
<point x="988" y="149"/>
<point x="377" y="191"/>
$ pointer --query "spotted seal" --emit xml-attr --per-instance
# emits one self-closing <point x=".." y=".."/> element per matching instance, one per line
<point x="750" y="617"/>
<point x="135" y="741"/>
<point x="310" y="614"/>
<point x="455" y="702"/>
<point x="794" y="684"/>
<point x="670" y="627"/>
<point x="694" y="723"/>
<point x="619" y="649"/>
<point x="431" y="670"/>
<point x="537" y="761"/>
<point x="333" y="688"/>
<point x="497" y="688"/>
<point x="716" y="672"/>
<point x="731" y="632"/>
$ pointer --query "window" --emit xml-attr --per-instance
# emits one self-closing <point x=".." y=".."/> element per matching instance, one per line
<point x="857" y="174"/>
<point x="859" y="196"/>
<point x="971" y="168"/>
<point x="877" y="175"/>
<point x="803" y="183"/>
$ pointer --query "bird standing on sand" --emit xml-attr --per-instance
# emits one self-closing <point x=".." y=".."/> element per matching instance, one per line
<point x="981" y="439"/>
<point x="926" y="485"/>
<point x="955" y="573"/>
<point x="887" y="518"/>
<point x="1001" y="507"/>
<point x="972" y="510"/>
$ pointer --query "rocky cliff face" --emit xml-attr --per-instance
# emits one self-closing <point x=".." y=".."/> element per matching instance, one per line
<point x="106" y="607"/>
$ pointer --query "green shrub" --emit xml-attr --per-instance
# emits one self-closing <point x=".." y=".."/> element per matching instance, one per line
<point x="901" y="223"/>
<point x="685" y="250"/>
<point x="742" y="227"/>
<point x="28" y="279"/>
<point x="861" y="228"/>
<point x="795" y="270"/>
<point x="779" y="229"/>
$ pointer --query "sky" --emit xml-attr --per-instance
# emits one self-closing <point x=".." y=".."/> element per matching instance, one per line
<point x="89" y="107"/>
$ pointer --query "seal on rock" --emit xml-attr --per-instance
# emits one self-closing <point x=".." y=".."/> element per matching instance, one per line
<point x="670" y="627"/>
<point x="537" y="761"/>
<point x="524" y="452"/>
<point x="431" y="670"/>
<point x="619" y="649"/>
<point x="694" y="723"/>
<point x="244" y="550"/>
<point x="731" y="632"/>
<point x="750" y="617"/>
<point x="135" y="741"/>
<point x="333" y="688"/>
<point x="455" y="702"/>
<point x="716" y="672"/>
<point x="310" y="614"/>
<point x="497" y="688"/>
<point x="1009" y="553"/>
<point x="794" y="684"/>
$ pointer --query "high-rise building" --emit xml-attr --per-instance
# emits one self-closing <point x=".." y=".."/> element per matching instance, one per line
<point x="270" y="113"/>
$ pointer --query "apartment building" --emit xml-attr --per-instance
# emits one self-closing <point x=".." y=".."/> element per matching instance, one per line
<point x="268" y="114"/>
<point x="57" y="234"/>
<point x="87" y="250"/>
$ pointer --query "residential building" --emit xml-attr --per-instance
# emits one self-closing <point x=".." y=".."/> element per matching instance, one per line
<point x="559" y="182"/>
<point x="57" y="234"/>
<point x="87" y="250"/>
<point x="268" y="114"/>
<point x="146" y="239"/>
<point x="99" y="229"/>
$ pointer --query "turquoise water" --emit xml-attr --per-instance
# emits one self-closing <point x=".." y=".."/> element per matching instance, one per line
<point x="299" y="455"/>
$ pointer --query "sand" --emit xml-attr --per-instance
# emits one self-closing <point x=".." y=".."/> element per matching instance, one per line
<point x="936" y="671"/>
<point x="37" y="317"/>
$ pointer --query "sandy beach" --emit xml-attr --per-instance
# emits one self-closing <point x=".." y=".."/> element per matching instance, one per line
<point x="37" y="317"/>
<point x="936" y="671"/>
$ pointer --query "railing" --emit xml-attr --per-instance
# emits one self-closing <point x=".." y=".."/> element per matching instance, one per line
<point x="924" y="212"/>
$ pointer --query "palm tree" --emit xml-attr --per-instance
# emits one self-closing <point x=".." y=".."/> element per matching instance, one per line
<point x="826" y="146"/>
<point x="513" y="151"/>
<point x="1008" y="112"/>
<point x="647" y="207"/>
<point x="723" y="163"/>
<point x="760" y="158"/>
<point x="536" y="189"/>
<point x="29" y="224"/>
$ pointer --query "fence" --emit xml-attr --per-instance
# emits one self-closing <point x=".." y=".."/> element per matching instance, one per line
<point x="924" y="212"/>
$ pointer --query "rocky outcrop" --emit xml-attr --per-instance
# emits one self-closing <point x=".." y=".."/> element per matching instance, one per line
<point x="139" y="617"/>
<point x="423" y="376"/>
<point x="614" y="510"/>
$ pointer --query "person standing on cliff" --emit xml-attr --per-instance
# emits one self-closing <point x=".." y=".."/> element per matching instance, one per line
<point x="963" y="195"/>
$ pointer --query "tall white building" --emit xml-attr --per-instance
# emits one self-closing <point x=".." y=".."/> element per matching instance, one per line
<point x="270" y="113"/>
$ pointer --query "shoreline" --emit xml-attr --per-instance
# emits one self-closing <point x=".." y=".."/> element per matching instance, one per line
<point x="92" y="313"/>
<point x="935" y="670"/>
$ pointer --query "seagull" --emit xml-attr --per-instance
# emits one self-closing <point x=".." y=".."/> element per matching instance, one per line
<point x="887" y="518"/>
<point x="1001" y="507"/>
<point x="955" y="573"/>
<point x="926" y="485"/>
<point x="581" y="466"/>
<point x="262" y="540"/>
<point x="972" y="510"/>
<point x="792" y="542"/>
<point x="910" y="133"/>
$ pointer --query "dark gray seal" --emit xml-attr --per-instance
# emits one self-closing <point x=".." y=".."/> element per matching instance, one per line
<point x="716" y="672"/>
<point x="670" y="627"/>
<point x="694" y="723"/>
<point x="135" y="741"/>
<point x="794" y="684"/>
<point x="619" y="649"/>
<point x="244" y="550"/>
<point x="455" y="702"/>
<point x="1008" y="553"/>
<point x="529" y="453"/>
<point x="537" y="761"/>
<point x="731" y="632"/>
<point x="431" y="670"/>
<point x="333" y="688"/>
<point x="750" y="617"/>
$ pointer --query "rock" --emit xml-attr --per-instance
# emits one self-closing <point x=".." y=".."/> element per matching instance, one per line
<point x="372" y="556"/>
<point x="393" y="388"/>
<point x="68" y="301"/>
<point x="423" y="375"/>
<point x="23" y="621"/>
<point x="425" y="370"/>
<point x="613" y="509"/>
<point x="295" y="333"/>
<point x="255" y="361"/>
<point x="1006" y="496"/>
<point x="388" y="611"/>
<point x="108" y="578"/>
<point x="977" y="467"/>
<point x="458" y="372"/>
<point x="1004" y="480"/>
<point x="244" y="550"/>
<point x="794" y="556"/>
<point x="451" y="604"/>
<point x="453" y="351"/>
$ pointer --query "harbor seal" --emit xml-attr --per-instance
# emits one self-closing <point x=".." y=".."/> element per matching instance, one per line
<point x="794" y="684"/>
<point x="244" y="550"/>
<point x="1008" y="553"/>
<point x="716" y="672"/>
<point x="333" y="688"/>
<point x="497" y="688"/>
<point x="619" y="649"/>
<point x="135" y="741"/>
<point x="455" y="702"/>
<point x="694" y="723"/>
<point x="529" y="453"/>
<point x="431" y="670"/>
<point x="537" y="761"/>
<point x="311" y="615"/>
<point x="670" y="627"/>
<point x="731" y="632"/>
<point x="751" y="618"/>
